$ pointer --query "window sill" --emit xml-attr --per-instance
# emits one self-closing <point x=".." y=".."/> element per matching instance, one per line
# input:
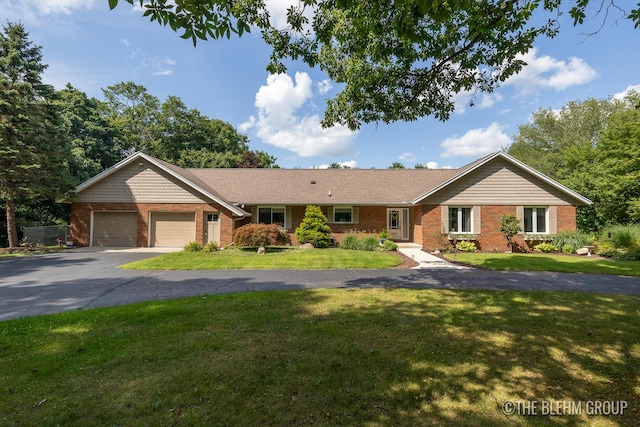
<point x="539" y="237"/>
<point x="463" y="236"/>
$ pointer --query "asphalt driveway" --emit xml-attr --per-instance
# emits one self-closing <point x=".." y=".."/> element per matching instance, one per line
<point x="73" y="280"/>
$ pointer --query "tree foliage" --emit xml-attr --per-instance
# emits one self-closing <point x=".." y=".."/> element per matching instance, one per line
<point x="509" y="227"/>
<point x="592" y="147"/>
<point x="33" y="144"/>
<point x="398" y="60"/>
<point x="314" y="228"/>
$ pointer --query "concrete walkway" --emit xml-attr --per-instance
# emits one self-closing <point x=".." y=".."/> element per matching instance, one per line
<point x="426" y="260"/>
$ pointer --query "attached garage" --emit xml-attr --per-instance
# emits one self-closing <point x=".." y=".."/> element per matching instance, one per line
<point x="115" y="229"/>
<point x="172" y="228"/>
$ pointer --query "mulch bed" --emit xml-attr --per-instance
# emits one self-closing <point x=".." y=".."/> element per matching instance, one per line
<point x="406" y="261"/>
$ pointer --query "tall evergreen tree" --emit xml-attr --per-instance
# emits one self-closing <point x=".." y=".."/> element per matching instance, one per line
<point x="33" y="143"/>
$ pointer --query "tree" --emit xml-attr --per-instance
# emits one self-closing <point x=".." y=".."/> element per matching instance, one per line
<point x="314" y="228"/>
<point x="574" y="147"/>
<point x="398" y="60"/>
<point x="33" y="145"/>
<point x="256" y="159"/>
<point x="396" y="165"/>
<point x="509" y="227"/>
<point x="93" y="148"/>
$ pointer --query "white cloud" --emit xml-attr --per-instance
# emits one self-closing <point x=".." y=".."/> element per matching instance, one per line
<point x="461" y="100"/>
<point x="125" y="42"/>
<point x="158" y="66"/>
<point x="45" y="7"/>
<point x="476" y="142"/>
<point x="352" y="164"/>
<point x="621" y="95"/>
<point x="324" y="86"/>
<point x="431" y="165"/>
<point x="281" y="123"/>
<point x="545" y="72"/>
<point x="407" y="157"/>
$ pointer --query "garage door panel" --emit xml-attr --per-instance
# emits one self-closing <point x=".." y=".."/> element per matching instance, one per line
<point x="173" y="229"/>
<point x="115" y="229"/>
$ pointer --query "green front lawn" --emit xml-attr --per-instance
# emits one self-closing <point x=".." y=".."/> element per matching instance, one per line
<point x="546" y="262"/>
<point x="293" y="259"/>
<point x="368" y="357"/>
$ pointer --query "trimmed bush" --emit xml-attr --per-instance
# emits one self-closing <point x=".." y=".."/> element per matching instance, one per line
<point x="466" y="246"/>
<point x="256" y="235"/>
<point x="211" y="247"/>
<point x="193" y="247"/>
<point x="314" y="228"/>
<point x="545" y="248"/>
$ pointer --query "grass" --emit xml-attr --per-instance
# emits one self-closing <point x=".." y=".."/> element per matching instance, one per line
<point x="367" y="357"/>
<point x="294" y="259"/>
<point x="547" y="262"/>
<point x="18" y="252"/>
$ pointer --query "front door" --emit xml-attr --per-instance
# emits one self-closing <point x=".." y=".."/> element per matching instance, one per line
<point x="398" y="223"/>
<point x="213" y="228"/>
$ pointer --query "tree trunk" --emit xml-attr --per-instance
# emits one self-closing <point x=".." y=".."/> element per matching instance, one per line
<point x="12" y="231"/>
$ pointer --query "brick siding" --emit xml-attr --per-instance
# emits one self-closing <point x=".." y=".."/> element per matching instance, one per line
<point x="489" y="239"/>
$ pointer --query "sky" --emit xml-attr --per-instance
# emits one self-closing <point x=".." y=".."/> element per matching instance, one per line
<point x="91" y="47"/>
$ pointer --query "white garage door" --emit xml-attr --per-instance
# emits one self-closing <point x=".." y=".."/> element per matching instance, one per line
<point x="172" y="228"/>
<point x="115" y="229"/>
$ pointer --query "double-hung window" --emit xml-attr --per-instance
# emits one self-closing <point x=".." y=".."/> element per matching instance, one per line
<point x="536" y="220"/>
<point x="342" y="214"/>
<point x="271" y="215"/>
<point x="460" y="220"/>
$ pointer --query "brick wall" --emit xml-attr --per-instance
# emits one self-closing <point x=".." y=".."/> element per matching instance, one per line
<point x="81" y="219"/>
<point x="490" y="238"/>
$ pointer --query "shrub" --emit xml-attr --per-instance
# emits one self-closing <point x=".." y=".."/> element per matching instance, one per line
<point x="256" y="235"/>
<point x="568" y="249"/>
<point x="193" y="247"/>
<point x="545" y="248"/>
<point x="369" y="243"/>
<point x="631" y="254"/>
<point x="384" y="235"/>
<point x="466" y="246"/>
<point x="389" y="245"/>
<point x="349" y="241"/>
<point x="622" y="236"/>
<point x="574" y="239"/>
<point x="605" y="249"/>
<point x="211" y="247"/>
<point x="314" y="228"/>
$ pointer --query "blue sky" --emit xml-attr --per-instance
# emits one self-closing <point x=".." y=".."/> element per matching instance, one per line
<point x="91" y="47"/>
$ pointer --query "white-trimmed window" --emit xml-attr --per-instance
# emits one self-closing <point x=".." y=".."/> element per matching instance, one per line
<point x="342" y="215"/>
<point x="271" y="215"/>
<point x="536" y="219"/>
<point x="460" y="220"/>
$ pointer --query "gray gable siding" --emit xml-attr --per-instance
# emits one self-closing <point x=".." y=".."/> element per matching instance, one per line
<point x="137" y="183"/>
<point x="499" y="183"/>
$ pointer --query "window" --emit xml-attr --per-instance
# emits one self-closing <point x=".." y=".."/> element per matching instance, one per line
<point x="535" y="220"/>
<point x="460" y="220"/>
<point x="342" y="214"/>
<point x="271" y="215"/>
<point x="213" y="217"/>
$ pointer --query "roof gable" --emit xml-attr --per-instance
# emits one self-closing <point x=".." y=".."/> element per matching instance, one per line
<point x="527" y="171"/>
<point x="178" y="174"/>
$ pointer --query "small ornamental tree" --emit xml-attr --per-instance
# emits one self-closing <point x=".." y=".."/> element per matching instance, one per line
<point x="257" y="235"/>
<point x="314" y="228"/>
<point x="509" y="227"/>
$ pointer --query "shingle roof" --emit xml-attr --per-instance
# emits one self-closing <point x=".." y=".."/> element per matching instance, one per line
<point x="321" y="186"/>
